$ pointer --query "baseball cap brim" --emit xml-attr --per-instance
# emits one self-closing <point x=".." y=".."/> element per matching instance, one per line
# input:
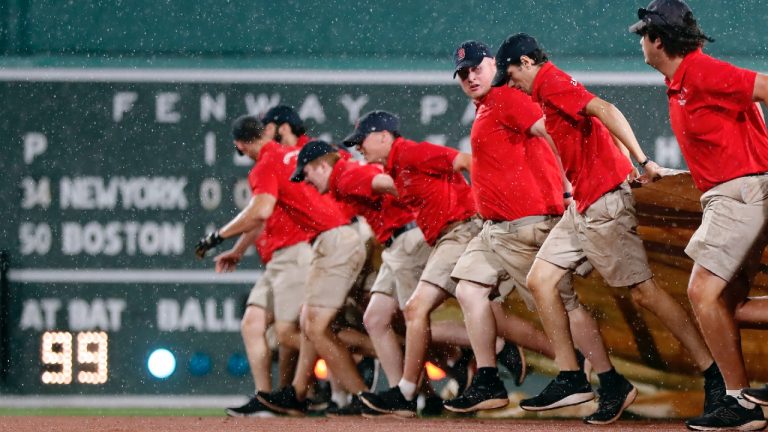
<point x="354" y="139"/>
<point x="467" y="63"/>
<point x="501" y="76"/>
<point x="298" y="175"/>
<point x="638" y="27"/>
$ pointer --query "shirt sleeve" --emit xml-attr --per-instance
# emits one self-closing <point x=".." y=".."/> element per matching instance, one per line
<point x="263" y="177"/>
<point x="357" y="183"/>
<point x="430" y="158"/>
<point x="567" y="95"/>
<point x="727" y="85"/>
<point x="517" y="111"/>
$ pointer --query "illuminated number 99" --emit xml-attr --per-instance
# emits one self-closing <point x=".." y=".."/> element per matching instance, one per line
<point x="92" y="357"/>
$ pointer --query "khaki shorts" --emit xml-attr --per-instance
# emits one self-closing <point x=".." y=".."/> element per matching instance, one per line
<point x="446" y="253"/>
<point x="338" y="257"/>
<point x="606" y="235"/>
<point x="502" y="255"/>
<point x="281" y="288"/>
<point x="402" y="265"/>
<point x="732" y="234"/>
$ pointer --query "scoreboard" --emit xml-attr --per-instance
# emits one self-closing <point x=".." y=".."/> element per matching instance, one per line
<point x="111" y="176"/>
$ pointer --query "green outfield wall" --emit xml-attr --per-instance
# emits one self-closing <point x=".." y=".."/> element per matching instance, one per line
<point x="589" y="34"/>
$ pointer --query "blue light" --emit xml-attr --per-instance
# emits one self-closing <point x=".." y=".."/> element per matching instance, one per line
<point x="237" y="365"/>
<point x="161" y="363"/>
<point x="199" y="364"/>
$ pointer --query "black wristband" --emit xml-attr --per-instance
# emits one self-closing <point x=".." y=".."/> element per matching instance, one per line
<point x="567" y="195"/>
<point x="645" y="162"/>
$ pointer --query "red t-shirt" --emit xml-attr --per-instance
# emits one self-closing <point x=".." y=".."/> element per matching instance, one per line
<point x="280" y="230"/>
<point x="718" y="126"/>
<point x="592" y="162"/>
<point x="514" y="174"/>
<point x="301" y="202"/>
<point x="425" y="180"/>
<point x="351" y="182"/>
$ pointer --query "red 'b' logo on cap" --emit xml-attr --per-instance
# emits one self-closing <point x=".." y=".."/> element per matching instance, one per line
<point x="460" y="54"/>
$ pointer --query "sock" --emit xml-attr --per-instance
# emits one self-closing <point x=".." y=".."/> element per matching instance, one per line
<point x="340" y="397"/>
<point x="712" y="372"/>
<point x="610" y="378"/>
<point x="740" y="399"/>
<point x="407" y="388"/>
<point x="487" y="374"/>
<point x="576" y="375"/>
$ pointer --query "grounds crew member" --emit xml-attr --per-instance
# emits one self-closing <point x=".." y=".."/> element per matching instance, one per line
<point x="723" y="138"/>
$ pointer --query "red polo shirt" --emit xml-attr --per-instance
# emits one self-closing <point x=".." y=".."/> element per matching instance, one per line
<point x="351" y="182"/>
<point x="592" y="162"/>
<point x="514" y="174"/>
<point x="280" y="231"/>
<point x="718" y="126"/>
<point x="425" y="180"/>
<point x="301" y="202"/>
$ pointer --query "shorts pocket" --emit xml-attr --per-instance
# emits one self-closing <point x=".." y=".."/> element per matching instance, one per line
<point x="754" y="190"/>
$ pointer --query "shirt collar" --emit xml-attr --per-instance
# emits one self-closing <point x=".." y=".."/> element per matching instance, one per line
<point x="301" y="140"/>
<point x="677" y="79"/>
<point x="545" y="69"/>
<point x="268" y="147"/>
<point x="392" y="154"/>
<point x="338" y="168"/>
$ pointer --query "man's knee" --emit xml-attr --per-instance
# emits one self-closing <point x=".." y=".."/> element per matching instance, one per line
<point x="415" y="309"/>
<point x="469" y="294"/>
<point x="285" y="332"/>
<point x="254" y="321"/>
<point x="643" y="294"/>
<point x="375" y="321"/>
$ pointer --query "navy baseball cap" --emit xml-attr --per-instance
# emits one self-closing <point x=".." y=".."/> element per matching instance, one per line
<point x="509" y="52"/>
<point x="470" y="54"/>
<point x="282" y="114"/>
<point x="311" y="151"/>
<point x="373" y="121"/>
<point x="664" y="13"/>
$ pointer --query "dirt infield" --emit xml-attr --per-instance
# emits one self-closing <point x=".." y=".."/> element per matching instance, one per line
<point x="206" y="424"/>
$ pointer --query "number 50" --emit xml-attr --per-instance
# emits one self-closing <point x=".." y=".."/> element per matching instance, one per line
<point x="57" y="357"/>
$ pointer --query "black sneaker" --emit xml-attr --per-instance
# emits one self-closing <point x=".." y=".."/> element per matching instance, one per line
<point x="353" y="408"/>
<point x="612" y="402"/>
<point x="565" y="390"/>
<point x="758" y="396"/>
<point x="729" y="414"/>
<point x="714" y="390"/>
<point x="390" y="401"/>
<point x="480" y="397"/>
<point x="433" y="407"/>
<point x="284" y="401"/>
<point x="252" y="408"/>
<point x="512" y="357"/>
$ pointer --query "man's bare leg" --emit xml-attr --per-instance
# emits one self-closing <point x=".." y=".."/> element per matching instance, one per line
<point x="378" y="323"/>
<point x="542" y="281"/>
<point x="648" y="295"/>
<point x="330" y="348"/>
<point x="718" y="325"/>
<point x="253" y="328"/>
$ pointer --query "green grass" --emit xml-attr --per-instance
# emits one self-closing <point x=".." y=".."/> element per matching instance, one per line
<point x="108" y="412"/>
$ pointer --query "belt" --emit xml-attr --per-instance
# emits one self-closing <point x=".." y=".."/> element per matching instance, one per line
<point x="351" y="221"/>
<point x="523" y="221"/>
<point x="757" y="174"/>
<point x="451" y="225"/>
<point x="398" y="231"/>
